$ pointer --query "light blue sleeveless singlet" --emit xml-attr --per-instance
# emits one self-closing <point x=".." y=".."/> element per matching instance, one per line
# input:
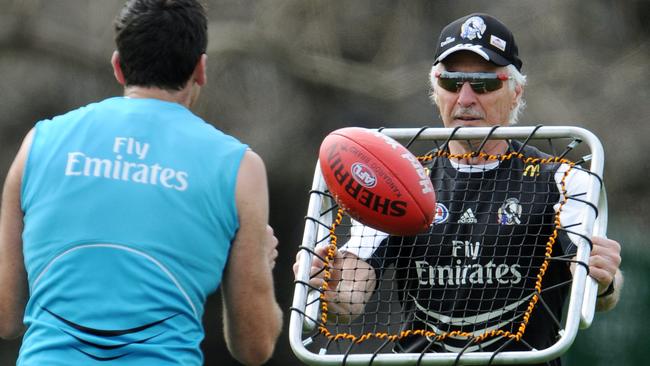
<point x="129" y="216"/>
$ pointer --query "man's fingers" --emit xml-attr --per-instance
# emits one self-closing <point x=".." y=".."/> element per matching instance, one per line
<point x="602" y="276"/>
<point x="322" y="250"/>
<point x="317" y="271"/>
<point x="274" y="255"/>
<point x="272" y="246"/>
<point x="604" y="260"/>
<point x="605" y="254"/>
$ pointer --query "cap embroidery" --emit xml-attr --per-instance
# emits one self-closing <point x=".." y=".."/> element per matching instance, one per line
<point x="498" y="42"/>
<point x="447" y="41"/>
<point x="473" y="27"/>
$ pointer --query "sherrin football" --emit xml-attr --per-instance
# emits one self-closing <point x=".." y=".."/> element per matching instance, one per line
<point x="377" y="181"/>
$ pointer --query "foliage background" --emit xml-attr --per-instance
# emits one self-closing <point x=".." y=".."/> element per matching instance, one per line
<point x="283" y="73"/>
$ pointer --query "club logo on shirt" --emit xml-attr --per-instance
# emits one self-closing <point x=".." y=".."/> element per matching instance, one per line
<point x="510" y="212"/>
<point x="442" y="214"/>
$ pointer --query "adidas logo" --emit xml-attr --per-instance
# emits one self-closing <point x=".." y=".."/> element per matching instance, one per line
<point x="468" y="217"/>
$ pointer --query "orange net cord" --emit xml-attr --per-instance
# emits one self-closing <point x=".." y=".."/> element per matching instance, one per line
<point x="431" y="334"/>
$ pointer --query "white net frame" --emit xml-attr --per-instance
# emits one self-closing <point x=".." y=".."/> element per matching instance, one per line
<point x="305" y="315"/>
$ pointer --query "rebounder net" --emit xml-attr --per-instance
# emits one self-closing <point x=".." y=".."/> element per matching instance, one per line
<point x="499" y="277"/>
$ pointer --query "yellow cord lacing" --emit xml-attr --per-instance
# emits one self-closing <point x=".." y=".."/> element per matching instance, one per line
<point x="431" y="334"/>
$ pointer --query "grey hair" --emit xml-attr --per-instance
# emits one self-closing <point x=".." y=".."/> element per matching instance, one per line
<point x="516" y="78"/>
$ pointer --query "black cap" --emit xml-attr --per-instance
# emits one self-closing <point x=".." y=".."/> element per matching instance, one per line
<point x="482" y="34"/>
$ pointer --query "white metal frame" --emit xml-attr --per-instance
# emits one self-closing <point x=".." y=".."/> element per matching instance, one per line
<point x="583" y="292"/>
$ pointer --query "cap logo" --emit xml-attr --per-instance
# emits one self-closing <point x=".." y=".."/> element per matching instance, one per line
<point x="476" y="48"/>
<point x="473" y="27"/>
<point x="498" y="42"/>
<point x="447" y="41"/>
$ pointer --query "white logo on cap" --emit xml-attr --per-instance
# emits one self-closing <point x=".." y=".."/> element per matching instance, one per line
<point x="473" y="27"/>
<point x="498" y="42"/>
<point x="447" y="41"/>
<point x="476" y="48"/>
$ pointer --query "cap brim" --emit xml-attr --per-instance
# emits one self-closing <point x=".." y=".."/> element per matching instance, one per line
<point x="486" y="53"/>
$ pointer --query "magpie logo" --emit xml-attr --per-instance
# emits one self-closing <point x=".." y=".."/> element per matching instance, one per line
<point x="473" y="27"/>
<point x="468" y="217"/>
<point x="510" y="212"/>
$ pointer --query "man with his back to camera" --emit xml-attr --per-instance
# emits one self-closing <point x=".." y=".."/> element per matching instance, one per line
<point x="119" y="218"/>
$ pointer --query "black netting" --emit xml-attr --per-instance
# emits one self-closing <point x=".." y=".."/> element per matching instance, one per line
<point x="492" y="272"/>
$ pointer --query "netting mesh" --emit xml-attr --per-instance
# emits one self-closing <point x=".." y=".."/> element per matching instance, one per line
<point x="491" y="274"/>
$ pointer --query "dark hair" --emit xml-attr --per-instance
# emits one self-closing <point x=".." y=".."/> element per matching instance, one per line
<point x="160" y="41"/>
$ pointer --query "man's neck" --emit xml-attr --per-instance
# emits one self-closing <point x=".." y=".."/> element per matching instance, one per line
<point x="182" y="96"/>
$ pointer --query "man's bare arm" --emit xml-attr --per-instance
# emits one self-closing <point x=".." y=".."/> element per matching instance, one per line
<point x="14" y="290"/>
<point x="252" y="316"/>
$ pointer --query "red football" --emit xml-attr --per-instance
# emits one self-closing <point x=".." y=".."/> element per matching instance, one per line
<point x="377" y="181"/>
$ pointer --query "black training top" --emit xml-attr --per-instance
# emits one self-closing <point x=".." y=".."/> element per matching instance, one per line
<point x="477" y="268"/>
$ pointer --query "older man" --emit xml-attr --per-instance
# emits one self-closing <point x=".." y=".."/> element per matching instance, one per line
<point x="490" y="233"/>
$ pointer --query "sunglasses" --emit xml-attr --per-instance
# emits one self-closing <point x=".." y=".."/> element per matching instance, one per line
<point x="480" y="82"/>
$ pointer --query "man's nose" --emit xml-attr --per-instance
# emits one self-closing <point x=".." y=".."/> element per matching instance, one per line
<point x="466" y="95"/>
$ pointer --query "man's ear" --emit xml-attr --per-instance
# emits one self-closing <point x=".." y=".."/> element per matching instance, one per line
<point x="519" y="92"/>
<point x="199" y="75"/>
<point x="117" y="69"/>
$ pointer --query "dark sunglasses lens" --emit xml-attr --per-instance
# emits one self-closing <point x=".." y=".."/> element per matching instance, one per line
<point x="480" y="86"/>
<point x="450" y="84"/>
<point x="485" y="85"/>
<point x="491" y="84"/>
